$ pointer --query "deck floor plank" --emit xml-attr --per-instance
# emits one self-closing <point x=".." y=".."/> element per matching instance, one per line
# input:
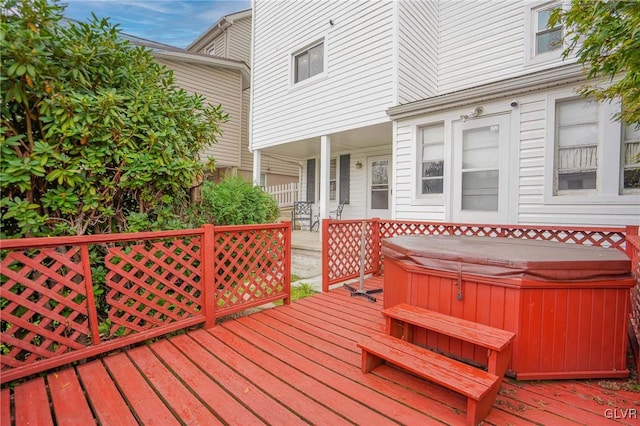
<point x="340" y="341"/>
<point x="29" y="395"/>
<point x="69" y="402"/>
<point x="301" y="357"/>
<point x="279" y="387"/>
<point x="350" y="369"/>
<point x="108" y="404"/>
<point x="546" y="402"/>
<point x="271" y="410"/>
<point x="294" y="364"/>
<point x="5" y="407"/>
<point x="320" y="390"/>
<point x="142" y="399"/>
<point x="210" y="392"/>
<point x="187" y="407"/>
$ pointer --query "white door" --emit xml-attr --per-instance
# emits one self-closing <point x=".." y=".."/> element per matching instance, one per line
<point x="480" y="170"/>
<point x="379" y="187"/>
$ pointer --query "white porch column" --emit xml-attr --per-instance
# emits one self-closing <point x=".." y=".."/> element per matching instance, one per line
<point x="257" y="165"/>
<point x="325" y="165"/>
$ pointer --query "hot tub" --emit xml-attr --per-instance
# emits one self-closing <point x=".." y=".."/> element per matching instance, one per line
<point x="567" y="304"/>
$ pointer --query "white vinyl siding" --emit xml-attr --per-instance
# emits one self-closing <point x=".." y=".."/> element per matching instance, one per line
<point x="484" y="41"/>
<point x="218" y="86"/>
<point x="417" y="50"/>
<point x="357" y="88"/>
<point x="531" y="198"/>
<point x="239" y="40"/>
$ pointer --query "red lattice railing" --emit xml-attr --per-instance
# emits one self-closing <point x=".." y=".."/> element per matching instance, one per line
<point x="69" y="298"/>
<point x="633" y="243"/>
<point x="341" y="240"/>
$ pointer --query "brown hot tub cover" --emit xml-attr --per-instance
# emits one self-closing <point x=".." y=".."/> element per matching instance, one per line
<point x="508" y="257"/>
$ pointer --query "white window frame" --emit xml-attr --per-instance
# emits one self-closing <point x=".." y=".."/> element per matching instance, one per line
<point x="420" y="147"/>
<point x="417" y="199"/>
<point x="530" y="30"/>
<point x="624" y="142"/>
<point x="306" y="48"/>
<point x="608" y="184"/>
<point x="334" y="163"/>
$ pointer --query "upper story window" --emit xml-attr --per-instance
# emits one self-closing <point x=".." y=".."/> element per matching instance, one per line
<point x="631" y="158"/>
<point x="308" y="62"/>
<point x="546" y="39"/>
<point x="543" y="43"/>
<point x="432" y="160"/>
<point x="577" y="140"/>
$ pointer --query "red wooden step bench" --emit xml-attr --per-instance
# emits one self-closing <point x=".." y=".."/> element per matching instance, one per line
<point x="478" y="386"/>
<point x="402" y="319"/>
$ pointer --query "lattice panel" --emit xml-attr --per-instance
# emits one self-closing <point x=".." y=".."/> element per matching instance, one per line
<point x="250" y="266"/>
<point x="43" y="304"/>
<point x="153" y="284"/>
<point x="344" y="242"/>
<point x="608" y="239"/>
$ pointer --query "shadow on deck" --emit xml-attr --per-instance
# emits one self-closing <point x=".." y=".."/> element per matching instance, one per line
<point x="294" y="364"/>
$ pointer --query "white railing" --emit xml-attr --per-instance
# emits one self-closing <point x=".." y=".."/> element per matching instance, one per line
<point x="285" y="194"/>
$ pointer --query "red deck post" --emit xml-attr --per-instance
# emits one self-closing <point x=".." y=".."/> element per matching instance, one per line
<point x="376" y="241"/>
<point x="630" y="230"/>
<point x="208" y="275"/>
<point x="91" y="303"/>
<point x="325" y="255"/>
<point x="287" y="261"/>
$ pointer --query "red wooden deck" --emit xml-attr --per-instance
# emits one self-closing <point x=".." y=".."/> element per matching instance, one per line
<point x="293" y="364"/>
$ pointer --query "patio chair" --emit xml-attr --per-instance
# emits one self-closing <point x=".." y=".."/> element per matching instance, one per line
<point x="302" y="215"/>
<point x="337" y="212"/>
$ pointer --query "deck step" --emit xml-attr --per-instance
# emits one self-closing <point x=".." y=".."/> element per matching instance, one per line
<point x="478" y="386"/>
<point x="403" y="319"/>
<point x="479" y="334"/>
<point x="463" y="378"/>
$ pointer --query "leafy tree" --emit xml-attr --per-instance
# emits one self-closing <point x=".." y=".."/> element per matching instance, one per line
<point x="234" y="201"/>
<point x="95" y="135"/>
<point x="605" y="36"/>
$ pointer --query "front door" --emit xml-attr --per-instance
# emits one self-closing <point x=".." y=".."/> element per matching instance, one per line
<point x="480" y="170"/>
<point x="379" y="187"/>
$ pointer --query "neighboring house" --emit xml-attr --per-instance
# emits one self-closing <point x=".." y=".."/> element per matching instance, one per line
<point x="230" y="39"/>
<point x="220" y="81"/>
<point x="438" y="110"/>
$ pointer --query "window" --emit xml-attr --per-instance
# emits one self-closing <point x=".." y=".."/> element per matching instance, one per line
<point x="546" y="39"/>
<point x="480" y="168"/>
<point x="332" y="179"/>
<point x="432" y="160"/>
<point x="308" y="62"/>
<point x="311" y="180"/>
<point x="576" y="153"/>
<point x="542" y="43"/>
<point x="631" y="157"/>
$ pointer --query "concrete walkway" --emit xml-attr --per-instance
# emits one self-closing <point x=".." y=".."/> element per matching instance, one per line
<point x="306" y="258"/>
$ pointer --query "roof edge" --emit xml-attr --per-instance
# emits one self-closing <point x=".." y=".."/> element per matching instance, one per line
<point x="532" y="82"/>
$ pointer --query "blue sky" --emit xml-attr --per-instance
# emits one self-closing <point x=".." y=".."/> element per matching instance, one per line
<point x="177" y="23"/>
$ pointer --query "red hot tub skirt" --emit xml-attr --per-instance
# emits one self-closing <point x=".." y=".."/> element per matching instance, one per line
<point x="568" y="304"/>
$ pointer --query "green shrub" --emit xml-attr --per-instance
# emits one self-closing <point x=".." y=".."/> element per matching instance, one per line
<point x="234" y="201"/>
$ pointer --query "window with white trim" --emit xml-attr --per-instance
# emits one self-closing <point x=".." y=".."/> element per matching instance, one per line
<point x="543" y="43"/>
<point x="308" y="62"/>
<point x="631" y="158"/>
<point x="431" y="161"/>
<point x="546" y="39"/>
<point x="576" y="148"/>
<point x="332" y="179"/>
